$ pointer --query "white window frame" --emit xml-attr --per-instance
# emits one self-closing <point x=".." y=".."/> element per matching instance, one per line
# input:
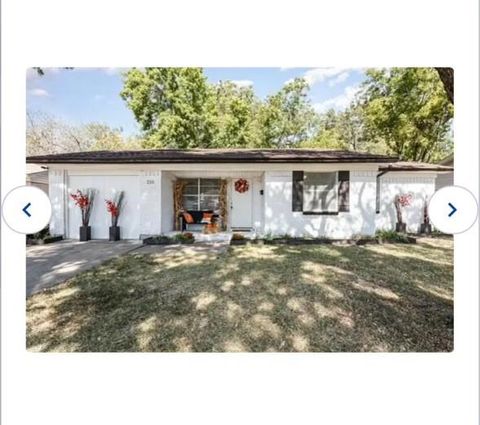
<point x="199" y="195"/>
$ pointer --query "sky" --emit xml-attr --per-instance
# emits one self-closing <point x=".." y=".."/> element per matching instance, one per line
<point x="83" y="95"/>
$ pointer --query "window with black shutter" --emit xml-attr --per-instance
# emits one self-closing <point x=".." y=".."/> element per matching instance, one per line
<point x="297" y="191"/>
<point x="344" y="191"/>
<point x="321" y="193"/>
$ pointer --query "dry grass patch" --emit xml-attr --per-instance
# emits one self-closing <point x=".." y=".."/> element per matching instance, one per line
<point x="255" y="298"/>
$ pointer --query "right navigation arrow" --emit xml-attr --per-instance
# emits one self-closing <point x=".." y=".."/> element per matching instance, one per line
<point x="454" y="210"/>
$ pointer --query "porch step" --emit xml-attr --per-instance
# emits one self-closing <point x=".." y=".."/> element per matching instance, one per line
<point x="213" y="238"/>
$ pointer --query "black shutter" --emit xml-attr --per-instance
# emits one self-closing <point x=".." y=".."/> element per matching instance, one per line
<point x="343" y="191"/>
<point x="297" y="191"/>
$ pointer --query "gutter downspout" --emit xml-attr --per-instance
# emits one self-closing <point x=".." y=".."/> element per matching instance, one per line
<point x="377" y="194"/>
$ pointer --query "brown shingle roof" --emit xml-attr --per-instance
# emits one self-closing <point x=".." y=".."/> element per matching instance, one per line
<point x="414" y="166"/>
<point x="211" y="156"/>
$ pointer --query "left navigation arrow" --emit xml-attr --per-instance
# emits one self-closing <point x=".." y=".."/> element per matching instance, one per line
<point x="25" y="209"/>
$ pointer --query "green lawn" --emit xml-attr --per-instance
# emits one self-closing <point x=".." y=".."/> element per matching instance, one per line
<point x="255" y="298"/>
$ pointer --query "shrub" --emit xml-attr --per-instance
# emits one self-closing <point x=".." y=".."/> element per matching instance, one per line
<point x="157" y="240"/>
<point x="392" y="236"/>
<point x="268" y="236"/>
<point x="186" y="237"/>
<point x="41" y="234"/>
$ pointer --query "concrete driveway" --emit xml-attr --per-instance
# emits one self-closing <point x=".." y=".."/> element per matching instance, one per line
<point x="49" y="265"/>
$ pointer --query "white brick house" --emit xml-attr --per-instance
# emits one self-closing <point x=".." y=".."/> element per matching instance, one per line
<point x="318" y="193"/>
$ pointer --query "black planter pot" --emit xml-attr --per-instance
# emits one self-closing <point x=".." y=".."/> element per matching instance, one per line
<point x="114" y="233"/>
<point x="85" y="233"/>
<point x="401" y="227"/>
<point x="425" y="228"/>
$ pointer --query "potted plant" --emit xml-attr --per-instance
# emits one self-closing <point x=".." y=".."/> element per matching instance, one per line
<point x="84" y="201"/>
<point x="113" y="208"/>
<point x="426" y="227"/>
<point x="400" y="202"/>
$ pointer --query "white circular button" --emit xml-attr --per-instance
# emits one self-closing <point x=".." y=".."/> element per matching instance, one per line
<point x="453" y="209"/>
<point x="26" y="209"/>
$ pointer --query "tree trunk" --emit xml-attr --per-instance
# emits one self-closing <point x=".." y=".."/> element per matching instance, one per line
<point x="446" y="75"/>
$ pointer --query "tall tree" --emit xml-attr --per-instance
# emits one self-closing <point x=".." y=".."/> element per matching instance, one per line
<point x="49" y="135"/>
<point x="328" y="134"/>
<point x="351" y="127"/>
<point x="231" y="113"/>
<point x="287" y="118"/>
<point x="408" y="110"/>
<point x="342" y="130"/>
<point x="108" y="139"/>
<point x="170" y="106"/>
<point x="446" y="75"/>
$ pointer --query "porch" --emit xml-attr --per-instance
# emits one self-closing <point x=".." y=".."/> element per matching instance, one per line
<point x="212" y="205"/>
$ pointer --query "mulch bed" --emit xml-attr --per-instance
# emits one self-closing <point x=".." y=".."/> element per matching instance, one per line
<point x="163" y="240"/>
<point x="45" y="241"/>
<point x="319" y="241"/>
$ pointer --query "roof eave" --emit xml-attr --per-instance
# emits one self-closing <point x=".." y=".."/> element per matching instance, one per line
<point x="435" y="169"/>
<point x="218" y="161"/>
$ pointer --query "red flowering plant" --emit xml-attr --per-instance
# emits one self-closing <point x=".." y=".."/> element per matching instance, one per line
<point x="84" y="201"/>
<point x="113" y="207"/>
<point x="402" y="201"/>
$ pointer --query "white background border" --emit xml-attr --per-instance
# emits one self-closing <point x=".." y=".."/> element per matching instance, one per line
<point x="229" y="388"/>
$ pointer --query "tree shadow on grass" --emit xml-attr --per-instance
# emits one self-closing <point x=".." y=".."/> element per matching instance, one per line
<point x="259" y="298"/>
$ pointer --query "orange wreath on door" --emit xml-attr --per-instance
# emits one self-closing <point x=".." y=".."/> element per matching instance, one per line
<point x="241" y="185"/>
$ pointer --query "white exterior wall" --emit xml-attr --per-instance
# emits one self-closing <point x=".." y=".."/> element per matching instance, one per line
<point x="258" y="213"/>
<point x="150" y="202"/>
<point x="149" y="191"/>
<point x="420" y="185"/>
<point x="444" y="179"/>
<point x="106" y="187"/>
<point x="57" y="192"/>
<point x="141" y="212"/>
<point x="280" y="219"/>
<point x="167" y="210"/>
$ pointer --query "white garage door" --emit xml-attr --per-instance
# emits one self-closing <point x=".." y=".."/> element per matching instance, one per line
<point x="105" y="188"/>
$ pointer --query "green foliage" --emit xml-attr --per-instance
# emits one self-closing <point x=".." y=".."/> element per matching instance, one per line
<point x="170" y="106"/>
<point x="158" y="240"/>
<point x="231" y="112"/>
<point x="107" y="139"/>
<point x="268" y="236"/>
<point x="329" y="134"/>
<point x="392" y="236"/>
<point x="185" y="237"/>
<point x="402" y="111"/>
<point x="176" y="107"/>
<point x="408" y="110"/>
<point x="41" y="234"/>
<point x="287" y="119"/>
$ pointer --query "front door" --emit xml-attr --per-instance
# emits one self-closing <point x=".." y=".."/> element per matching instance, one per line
<point x="241" y="206"/>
